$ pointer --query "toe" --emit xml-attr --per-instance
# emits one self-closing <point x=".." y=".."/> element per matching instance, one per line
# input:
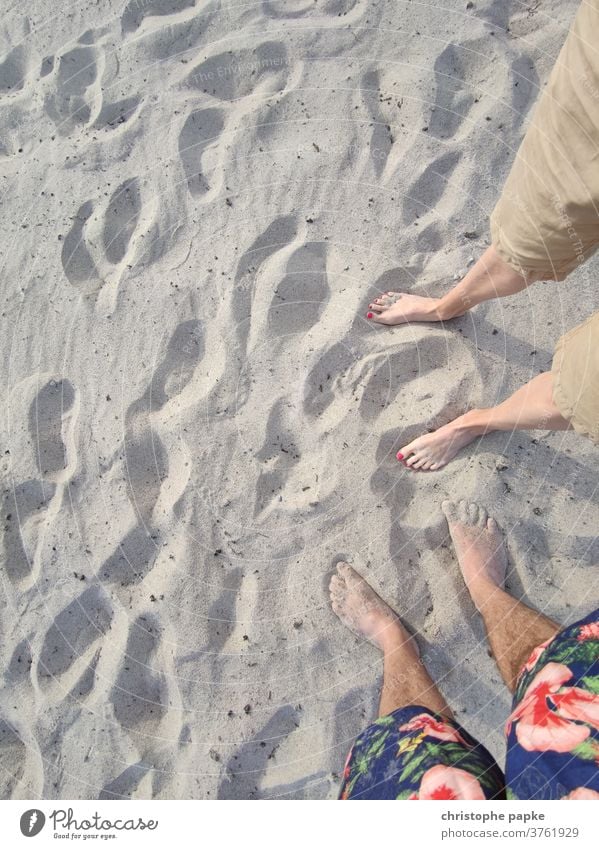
<point x="492" y="525"/>
<point x="336" y="584"/>
<point x="420" y="463"/>
<point x="344" y="570"/>
<point x="482" y="517"/>
<point x="349" y="574"/>
<point x="376" y="307"/>
<point x="450" y="510"/>
<point x="405" y="452"/>
<point x="463" y="514"/>
<point x="473" y="511"/>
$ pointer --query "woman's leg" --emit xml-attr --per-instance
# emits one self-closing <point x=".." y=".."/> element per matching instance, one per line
<point x="405" y="679"/>
<point x="489" y="278"/>
<point x="513" y="629"/>
<point x="530" y="408"/>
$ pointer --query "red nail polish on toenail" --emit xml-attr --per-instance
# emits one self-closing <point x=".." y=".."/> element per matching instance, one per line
<point x="369" y="315"/>
<point x="399" y="455"/>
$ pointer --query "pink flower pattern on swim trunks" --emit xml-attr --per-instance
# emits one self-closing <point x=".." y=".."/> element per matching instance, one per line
<point x="548" y="715"/>
<point x="589" y="632"/>
<point x="431" y="727"/>
<point x="448" y="782"/>
<point x="581" y="793"/>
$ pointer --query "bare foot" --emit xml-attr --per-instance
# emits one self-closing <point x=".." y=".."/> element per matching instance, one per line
<point x="401" y="308"/>
<point x="363" y="611"/>
<point x="479" y="548"/>
<point x="432" y="451"/>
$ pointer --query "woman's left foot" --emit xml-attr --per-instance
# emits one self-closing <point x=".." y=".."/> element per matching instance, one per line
<point x="432" y="451"/>
<point x="363" y="611"/>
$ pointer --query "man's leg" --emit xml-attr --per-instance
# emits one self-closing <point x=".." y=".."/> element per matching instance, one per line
<point x="489" y="278"/>
<point x="530" y="408"/>
<point x="405" y="679"/>
<point x="513" y="629"/>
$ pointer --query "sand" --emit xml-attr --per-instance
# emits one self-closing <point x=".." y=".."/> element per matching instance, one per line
<point x="199" y="200"/>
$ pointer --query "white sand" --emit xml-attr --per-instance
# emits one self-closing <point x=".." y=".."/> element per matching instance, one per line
<point x="199" y="201"/>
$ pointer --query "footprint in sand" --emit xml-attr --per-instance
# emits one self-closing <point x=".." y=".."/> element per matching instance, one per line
<point x="76" y="79"/>
<point x="280" y="233"/>
<point x="136" y="11"/>
<point x="230" y="77"/>
<point x="51" y="420"/>
<point x="201" y="130"/>
<point x="139" y="694"/>
<point x="280" y="453"/>
<point x="303" y="292"/>
<point x="23" y="509"/>
<point x="146" y="461"/>
<point x="429" y="187"/>
<point x="13" y="70"/>
<point x="74" y="630"/>
<point x="77" y="262"/>
<point x="381" y="140"/>
<point x="125" y="784"/>
<point x="120" y="221"/>
<point x="246" y="768"/>
<point x="13" y="755"/>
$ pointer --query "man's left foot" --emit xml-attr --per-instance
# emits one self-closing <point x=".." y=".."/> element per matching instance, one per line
<point x="363" y="611"/>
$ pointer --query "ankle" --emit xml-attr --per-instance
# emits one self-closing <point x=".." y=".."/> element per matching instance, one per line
<point x="475" y="422"/>
<point x="483" y="593"/>
<point x="446" y="308"/>
<point x="394" y="639"/>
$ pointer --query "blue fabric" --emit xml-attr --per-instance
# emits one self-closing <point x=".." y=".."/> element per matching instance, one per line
<point x="552" y="737"/>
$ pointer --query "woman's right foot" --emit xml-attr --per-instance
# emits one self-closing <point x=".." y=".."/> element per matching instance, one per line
<point x="401" y="308"/>
<point x="479" y="547"/>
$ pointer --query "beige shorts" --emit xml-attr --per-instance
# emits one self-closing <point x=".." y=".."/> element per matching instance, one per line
<point x="547" y="219"/>
<point x="576" y="377"/>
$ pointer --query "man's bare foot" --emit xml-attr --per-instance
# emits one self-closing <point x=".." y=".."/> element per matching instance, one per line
<point x="479" y="547"/>
<point x="432" y="451"/>
<point x="401" y="308"/>
<point x="364" y="612"/>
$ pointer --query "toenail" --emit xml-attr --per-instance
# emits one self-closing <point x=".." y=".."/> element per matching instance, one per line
<point x="369" y="315"/>
<point x="399" y="455"/>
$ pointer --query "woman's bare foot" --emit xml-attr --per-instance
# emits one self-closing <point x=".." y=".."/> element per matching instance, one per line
<point x="402" y="308"/>
<point x="479" y="547"/>
<point x="364" y="612"/>
<point x="432" y="451"/>
<point x="490" y="277"/>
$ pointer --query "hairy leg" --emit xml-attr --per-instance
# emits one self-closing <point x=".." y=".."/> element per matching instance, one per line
<point x="405" y="679"/>
<point x="513" y="629"/>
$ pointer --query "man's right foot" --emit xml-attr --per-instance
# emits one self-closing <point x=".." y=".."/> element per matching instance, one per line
<point x="402" y="308"/>
<point x="479" y="548"/>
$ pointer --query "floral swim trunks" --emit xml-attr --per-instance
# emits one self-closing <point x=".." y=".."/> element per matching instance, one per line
<point x="552" y="737"/>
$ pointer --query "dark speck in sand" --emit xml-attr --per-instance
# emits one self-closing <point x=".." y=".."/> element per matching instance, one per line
<point x="298" y="624"/>
<point x="247" y="709"/>
<point x="309" y="221"/>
